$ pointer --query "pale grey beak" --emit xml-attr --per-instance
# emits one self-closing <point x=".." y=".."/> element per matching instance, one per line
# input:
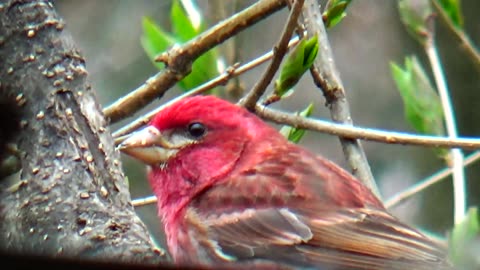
<point x="149" y="146"/>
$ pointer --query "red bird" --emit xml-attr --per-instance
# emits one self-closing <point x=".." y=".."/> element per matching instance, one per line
<point x="233" y="191"/>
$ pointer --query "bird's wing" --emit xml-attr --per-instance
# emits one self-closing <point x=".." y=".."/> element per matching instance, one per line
<point x="345" y="239"/>
<point x="288" y="217"/>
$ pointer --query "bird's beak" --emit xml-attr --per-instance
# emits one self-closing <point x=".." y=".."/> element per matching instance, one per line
<point x="149" y="146"/>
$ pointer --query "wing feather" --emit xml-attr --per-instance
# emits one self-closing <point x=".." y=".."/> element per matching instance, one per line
<point x="281" y="211"/>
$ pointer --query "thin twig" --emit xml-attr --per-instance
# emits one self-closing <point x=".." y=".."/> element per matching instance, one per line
<point x="459" y="188"/>
<point x="352" y="132"/>
<point x="327" y="78"/>
<point x="427" y="182"/>
<point x="281" y="48"/>
<point x="465" y="41"/>
<point x="229" y="73"/>
<point x="179" y="59"/>
<point x="144" y="201"/>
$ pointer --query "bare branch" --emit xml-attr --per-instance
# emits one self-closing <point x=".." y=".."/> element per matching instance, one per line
<point x="144" y="201"/>
<point x="250" y="100"/>
<point x="459" y="188"/>
<point x="352" y="132"/>
<point x="327" y="78"/>
<point x="466" y="42"/>
<point x="427" y="182"/>
<point x="229" y="73"/>
<point x="179" y="59"/>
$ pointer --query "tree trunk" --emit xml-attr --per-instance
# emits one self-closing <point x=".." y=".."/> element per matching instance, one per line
<point x="71" y="198"/>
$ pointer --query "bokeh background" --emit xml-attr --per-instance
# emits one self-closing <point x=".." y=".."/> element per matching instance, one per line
<point x="108" y="34"/>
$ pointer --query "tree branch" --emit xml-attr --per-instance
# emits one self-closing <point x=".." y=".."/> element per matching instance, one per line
<point x="279" y="51"/>
<point x="179" y="59"/>
<point x="327" y="78"/>
<point x="465" y="42"/>
<point x="402" y="196"/>
<point x="353" y="132"/>
<point x="229" y="73"/>
<point x="459" y="188"/>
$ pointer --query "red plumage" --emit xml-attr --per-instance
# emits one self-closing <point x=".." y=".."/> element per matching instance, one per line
<point x="232" y="190"/>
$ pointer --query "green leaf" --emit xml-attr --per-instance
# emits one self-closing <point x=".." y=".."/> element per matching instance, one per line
<point x="334" y="12"/>
<point x="185" y="26"/>
<point x="203" y="69"/>
<point x="464" y="240"/>
<point x="453" y="10"/>
<point x="127" y="180"/>
<point x="417" y="16"/>
<point x="296" y="64"/>
<point x="155" y="40"/>
<point x="295" y="134"/>
<point x="422" y="105"/>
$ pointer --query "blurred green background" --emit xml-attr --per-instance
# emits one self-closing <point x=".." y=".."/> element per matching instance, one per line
<point x="108" y="34"/>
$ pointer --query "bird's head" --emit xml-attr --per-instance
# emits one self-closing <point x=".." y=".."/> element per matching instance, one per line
<point x="195" y="142"/>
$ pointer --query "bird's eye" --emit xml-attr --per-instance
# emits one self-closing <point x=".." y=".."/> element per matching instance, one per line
<point x="196" y="130"/>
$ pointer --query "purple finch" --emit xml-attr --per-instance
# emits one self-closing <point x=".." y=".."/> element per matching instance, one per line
<point x="233" y="191"/>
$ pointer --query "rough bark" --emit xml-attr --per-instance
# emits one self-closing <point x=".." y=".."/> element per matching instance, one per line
<point x="72" y="198"/>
